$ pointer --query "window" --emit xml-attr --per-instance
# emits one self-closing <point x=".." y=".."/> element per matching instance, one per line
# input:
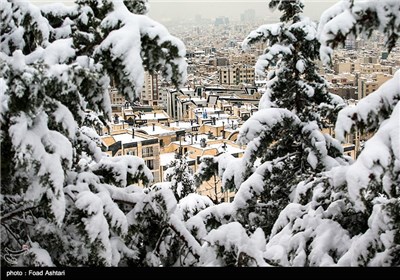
<point x="131" y="153"/>
<point x="149" y="164"/>
<point x="147" y="152"/>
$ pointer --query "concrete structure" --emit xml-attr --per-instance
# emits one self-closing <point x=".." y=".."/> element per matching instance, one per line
<point x="130" y="142"/>
<point x="237" y="74"/>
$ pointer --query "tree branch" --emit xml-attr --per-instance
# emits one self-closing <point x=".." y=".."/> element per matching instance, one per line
<point x="14" y="213"/>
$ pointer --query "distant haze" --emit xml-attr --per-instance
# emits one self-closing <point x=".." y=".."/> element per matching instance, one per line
<point x="167" y="10"/>
<point x="162" y="10"/>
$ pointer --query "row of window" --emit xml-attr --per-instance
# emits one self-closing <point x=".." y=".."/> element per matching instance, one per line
<point x="146" y="152"/>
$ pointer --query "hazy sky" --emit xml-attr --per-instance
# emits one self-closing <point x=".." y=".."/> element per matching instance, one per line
<point x="164" y="10"/>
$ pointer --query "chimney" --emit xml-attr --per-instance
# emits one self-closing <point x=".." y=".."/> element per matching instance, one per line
<point x="133" y="133"/>
<point x="154" y="126"/>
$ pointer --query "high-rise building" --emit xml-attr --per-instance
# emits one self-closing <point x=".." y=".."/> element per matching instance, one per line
<point x="248" y="16"/>
<point x="150" y="93"/>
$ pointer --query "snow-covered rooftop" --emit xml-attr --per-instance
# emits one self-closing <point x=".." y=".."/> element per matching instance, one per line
<point x="157" y="130"/>
<point x="127" y="138"/>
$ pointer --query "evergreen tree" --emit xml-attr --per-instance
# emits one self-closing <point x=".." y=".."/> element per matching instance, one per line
<point x="349" y="216"/>
<point x="215" y="167"/>
<point x="59" y="195"/>
<point x="286" y="133"/>
<point x="180" y="177"/>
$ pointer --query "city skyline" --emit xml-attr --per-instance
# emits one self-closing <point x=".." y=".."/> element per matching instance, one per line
<point x="166" y="11"/>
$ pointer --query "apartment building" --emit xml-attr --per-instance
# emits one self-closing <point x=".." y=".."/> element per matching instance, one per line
<point x="237" y="74"/>
<point x="130" y="142"/>
<point x="370" y="83"/>
<point x="151" y="92"/>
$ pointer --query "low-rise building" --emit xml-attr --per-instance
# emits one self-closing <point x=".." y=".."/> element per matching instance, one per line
<point x="129" y="142"/>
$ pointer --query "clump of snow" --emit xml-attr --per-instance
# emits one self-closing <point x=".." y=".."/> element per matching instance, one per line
<point x="300" y="66"/>
<point x="125" y="44"/>
<point x="95" y="223"/>
<point x="124" y="166"/>
<point x="263" y="121"/>
<point x="368" y="109"/>
<point x="234" y="240"/>
<point x="333" y="20"/>
<point x="380" y="152"/>
<point x="39" y="256"/>
<point x="59" y="51"/>
<point x="3" y="99"/>
<point x="194" y="203"/>
<point x="119" y="250"/>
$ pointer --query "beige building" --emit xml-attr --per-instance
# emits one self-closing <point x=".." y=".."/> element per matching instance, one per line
<point x="116" y="98"/>
<point x="346" y="67"/>
<point x="370" y="83"/>
<point x="150" y="94"/>
<point x="151" y="91"/>
<point x="244" y="58"/>
<point x="130" y="142"/>
<point x="237" y="74"/>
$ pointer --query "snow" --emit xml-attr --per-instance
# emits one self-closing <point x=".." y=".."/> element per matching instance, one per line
<point x="194" y="203"/>
<point x="123" y="167"/>
<point x="184" y="233"/>
<point x="308" y="26"/>
<point x="59" y="51"/>
<point x="233" y="237"/>
<point x="297" y="225"/>
<point x="127" y="138"/>
<point x="96" y="225"/>
<point x="119" y="249"/>
<point x="260" y="124"/>
<point x="199" y="221"/>
<point x="263" y="121"/>
<point x="125" y="44"/>
<point x="166" y="158"/>
<point x="344" y="18"/>
<point x="320" y="142"/>
<point x="263" y="31"/>
<point x="380" y="152"/>
<point x="367" y="109"/>
<point x="36" y="142"/>
<point x="229" y="149"/>
<point x="331" y="22"/>
<point x="41" y="256"/>
<point x="250" y="188"/>
<point x="3" y="100"/>
<point x="112" y="211"/>
<point x="157" y="130"/>
<point x="18" y="61"/>
<point x="64" y="116"/>
<point x="300" y="66"/>
<point x="265" y="60"/>
<point x="233" y="169"/>
<point x="181" y="124"/>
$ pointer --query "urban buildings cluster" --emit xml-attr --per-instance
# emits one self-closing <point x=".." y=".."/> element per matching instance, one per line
<point x="222" y="91"/>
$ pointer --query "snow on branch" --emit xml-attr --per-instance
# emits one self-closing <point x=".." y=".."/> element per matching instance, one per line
<point x="378" y="164"/>
<point x="358" y="17"/>
<point x="372" y="110"/>
<point x="263" y="122"/>
<point x="262" y="34"/>
<point x="123" y="170"/>
<point x="136" y="41"/>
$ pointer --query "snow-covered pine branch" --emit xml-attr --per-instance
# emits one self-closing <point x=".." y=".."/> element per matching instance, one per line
<point x="353" y="18"/>
<point x="67" y="201"/>
<point x="371" y="111"/>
